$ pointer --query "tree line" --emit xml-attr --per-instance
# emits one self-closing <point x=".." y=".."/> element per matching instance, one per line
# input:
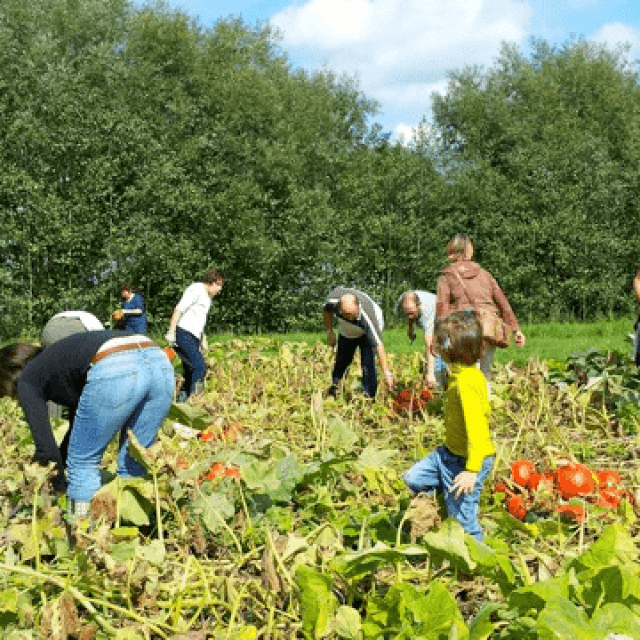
<point x="139" y="146"/>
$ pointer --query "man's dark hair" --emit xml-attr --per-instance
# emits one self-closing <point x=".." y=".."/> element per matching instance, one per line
<point x="213" y="275"/>
<point x="13" y="359"/>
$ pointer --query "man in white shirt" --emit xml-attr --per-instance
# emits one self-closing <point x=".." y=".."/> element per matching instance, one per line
<point x="187" y="329"/>
<point x="420" y="307"/>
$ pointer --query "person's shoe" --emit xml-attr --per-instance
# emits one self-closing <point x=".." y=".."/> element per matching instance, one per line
<point x="181" y="397"/>
<point x="76" y="510"/>
<point x="198" y="388"/>
<point x="332" y="391"/>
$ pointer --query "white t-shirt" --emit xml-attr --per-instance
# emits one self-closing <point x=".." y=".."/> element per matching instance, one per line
<point x="88" y="319"/>
<point x="194" y="307"/>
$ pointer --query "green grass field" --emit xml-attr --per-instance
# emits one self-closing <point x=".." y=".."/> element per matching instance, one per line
<point x="554" y="340"/>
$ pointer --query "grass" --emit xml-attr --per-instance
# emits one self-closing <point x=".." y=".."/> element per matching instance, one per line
<point x="551" y="340"/>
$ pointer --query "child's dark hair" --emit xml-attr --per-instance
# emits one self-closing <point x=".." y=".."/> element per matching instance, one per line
<point x="459" y="337"/>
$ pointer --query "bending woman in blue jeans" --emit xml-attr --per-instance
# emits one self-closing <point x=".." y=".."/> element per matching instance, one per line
<point x="111" y="381"/>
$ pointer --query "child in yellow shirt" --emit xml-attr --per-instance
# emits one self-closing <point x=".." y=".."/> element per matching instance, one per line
<point x="459" y="467"/>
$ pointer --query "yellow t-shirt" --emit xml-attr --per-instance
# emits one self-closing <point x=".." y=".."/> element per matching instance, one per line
<point x="466" y="416"/>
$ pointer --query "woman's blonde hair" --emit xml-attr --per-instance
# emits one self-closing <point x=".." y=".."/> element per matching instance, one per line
<point x="459" y="245"/>
<point x="459" y="337"/>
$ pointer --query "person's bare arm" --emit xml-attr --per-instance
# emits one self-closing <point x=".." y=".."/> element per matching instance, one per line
<point x="170" y="336"/>
<point x="636" y="288"/>
<point x="430" y="374"/>
<point x="327" y="318"/>
<point x="382" y="357"/>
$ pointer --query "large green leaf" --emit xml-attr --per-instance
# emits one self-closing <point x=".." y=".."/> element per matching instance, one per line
<point x="537" y="595"/>
<point x="615" y="545"/>
<point x="449" y="542"/>
<point x="190" y="415"/>
<point x="562" y="620"/>
<point x="347" y="623"/>
<point x="407" y="614"/>
<point x="317" y="602"/>
<point x="616" y="618"/>
<point x="357" y="565"/>
<point x="134" y="507"/>
<point x="214" y="509"/>
<point x="374" y="458"/>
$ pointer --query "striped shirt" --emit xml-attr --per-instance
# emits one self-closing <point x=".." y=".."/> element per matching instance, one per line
<point x="369" y="321"/>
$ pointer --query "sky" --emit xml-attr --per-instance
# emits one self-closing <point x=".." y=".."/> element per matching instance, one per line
<point x="400" y="50"/>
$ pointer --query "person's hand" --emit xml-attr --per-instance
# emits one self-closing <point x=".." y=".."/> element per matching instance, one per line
<point x="388" y="378"/>
<point x="331" y="338"/>
<point x="430" y="380"/>
<point x="520" y="339"/>
<point x="463" y="483"/>
<point x="170" y="337"/>
<point x="117" y="316"/>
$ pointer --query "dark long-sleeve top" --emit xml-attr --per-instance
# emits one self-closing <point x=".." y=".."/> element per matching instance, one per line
<point x="59" y="374"/>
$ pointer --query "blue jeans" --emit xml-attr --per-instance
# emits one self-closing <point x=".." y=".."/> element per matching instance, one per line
<point x="344" y="357"/>
<point x="195" y="368"/>
<point x="437" y="472"/>
<point x="442" y="372"/>
<point x="126" y="390"/>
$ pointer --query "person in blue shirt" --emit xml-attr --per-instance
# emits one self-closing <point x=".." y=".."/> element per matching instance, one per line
<point x="134" y="311"/>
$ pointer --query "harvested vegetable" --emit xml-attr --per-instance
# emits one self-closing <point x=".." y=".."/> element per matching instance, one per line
<point x="521" y="471"/>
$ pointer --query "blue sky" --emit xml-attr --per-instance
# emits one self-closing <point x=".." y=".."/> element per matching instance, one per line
<point x="400" y="50"/>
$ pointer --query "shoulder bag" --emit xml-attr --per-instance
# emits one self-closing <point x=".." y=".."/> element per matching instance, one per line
<point x="494" y="329"/>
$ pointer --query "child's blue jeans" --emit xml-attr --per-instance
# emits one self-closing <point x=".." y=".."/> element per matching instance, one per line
<point x="437" y="472"/>
<point x="126" y="390"/>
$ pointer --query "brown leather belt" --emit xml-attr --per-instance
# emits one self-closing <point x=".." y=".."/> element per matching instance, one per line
<point x="121" y="347"/>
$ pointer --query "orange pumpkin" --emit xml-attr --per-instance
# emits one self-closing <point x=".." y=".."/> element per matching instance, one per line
<point x="515" y="506"/>
<point x="521" y="471"/>
<point x="575" y="480"/>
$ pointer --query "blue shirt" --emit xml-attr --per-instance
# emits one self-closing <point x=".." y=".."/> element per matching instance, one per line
<point x="135" y="323"/>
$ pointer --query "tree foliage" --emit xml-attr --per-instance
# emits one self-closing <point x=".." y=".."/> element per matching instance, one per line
<point x="139" y="146"/>
<point x="547" y="159"/>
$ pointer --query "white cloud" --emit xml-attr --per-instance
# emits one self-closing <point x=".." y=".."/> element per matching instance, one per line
<point x="326" y="23"/>
<point x="406" y="132"/>
<point x="619" y="33"/>
<point x="403" y="132"/>
<point x="413" y="94"/>
<point x="401" y="49"/>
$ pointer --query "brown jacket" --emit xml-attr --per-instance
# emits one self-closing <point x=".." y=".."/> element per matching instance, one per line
<point x="479" y="285"/>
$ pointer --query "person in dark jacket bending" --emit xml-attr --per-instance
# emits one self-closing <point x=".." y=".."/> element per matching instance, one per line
<point x="111" y="381"/>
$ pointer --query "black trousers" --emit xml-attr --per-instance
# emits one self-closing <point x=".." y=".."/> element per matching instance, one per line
<point x="344" y="357"/>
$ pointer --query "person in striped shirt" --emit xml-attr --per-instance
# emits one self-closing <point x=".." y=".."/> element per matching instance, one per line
<point x="360" y="325"/>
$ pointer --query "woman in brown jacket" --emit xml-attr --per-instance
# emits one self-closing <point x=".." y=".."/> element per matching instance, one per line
<point x="464" y="281"/>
